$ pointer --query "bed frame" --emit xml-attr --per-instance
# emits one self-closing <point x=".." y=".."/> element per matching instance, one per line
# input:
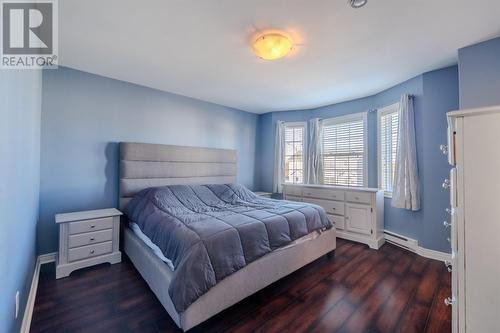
<point x="145" y="165"/>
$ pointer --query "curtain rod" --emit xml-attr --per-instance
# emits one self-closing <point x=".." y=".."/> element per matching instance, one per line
<point x="411" y="96"/>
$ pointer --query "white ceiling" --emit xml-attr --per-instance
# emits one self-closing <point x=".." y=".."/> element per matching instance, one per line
<point x="201" y="48"/>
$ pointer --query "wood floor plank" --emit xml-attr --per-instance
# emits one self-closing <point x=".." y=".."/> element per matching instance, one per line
<point x="360" y="290"/>
<point x="362" y="317"/>
<point x="387" y="320"/>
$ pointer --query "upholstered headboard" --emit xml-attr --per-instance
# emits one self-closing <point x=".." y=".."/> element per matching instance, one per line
<point x="144" y="165"/>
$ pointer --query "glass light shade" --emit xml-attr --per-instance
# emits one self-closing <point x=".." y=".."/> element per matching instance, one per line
<point x="358" y="3"/>
<point x="272" y="46"/>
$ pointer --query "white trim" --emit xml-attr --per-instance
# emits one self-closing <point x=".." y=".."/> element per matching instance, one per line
<point x="353" y="117"/>
<point x="381" y="112"/>
<point x="30" y="303"/>
<point x="474" y="112"/>
<point x="412" y="246"/>
<point x="47" y="257"/>
<point x="302" y="124"/>
<point x="432" y="254"/>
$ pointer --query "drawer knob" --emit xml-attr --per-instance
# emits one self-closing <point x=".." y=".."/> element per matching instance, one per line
<point x="446" y="224"/>
<point x="357" y="198"/>
<point x="446" y="184"/>
<point x="92" y="251"/>
<point x="449" y="301"/>
<point x="444" y="149"/>
<point x="448" y="266"/>
<point x="92" y="238"/>
<point x="92" y="226"/>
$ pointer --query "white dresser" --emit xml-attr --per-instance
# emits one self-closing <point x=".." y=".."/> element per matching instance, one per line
<point x="357" y="213"/>
<point x="474" y="151"/>
<point x="87" y="238"/>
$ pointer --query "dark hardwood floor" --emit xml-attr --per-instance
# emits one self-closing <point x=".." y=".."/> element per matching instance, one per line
<point x="360" y="290"/>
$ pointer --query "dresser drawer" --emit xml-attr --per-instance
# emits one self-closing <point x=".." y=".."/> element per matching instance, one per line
<point x="338" y="221"/>
<point x="90" y="225"/>
<point x="321" y="193"/>
<point x="293" y="198"/>
<point x="331" y="207"/>
<point x="90" y="238"/>
<point x="89" y="251"/>
<point x="293" y="190"/>
<point x="359" y="197"/>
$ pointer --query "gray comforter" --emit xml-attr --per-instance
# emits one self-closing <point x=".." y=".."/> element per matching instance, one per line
<point x="211" y="231"/>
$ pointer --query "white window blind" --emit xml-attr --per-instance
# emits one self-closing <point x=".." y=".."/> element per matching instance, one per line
<point x="294" y="158"/>
<point x="344" y="150"/>
<point x="388" y="120"/>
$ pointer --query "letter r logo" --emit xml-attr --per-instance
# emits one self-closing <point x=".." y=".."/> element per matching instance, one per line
<point x="27" y="28"/>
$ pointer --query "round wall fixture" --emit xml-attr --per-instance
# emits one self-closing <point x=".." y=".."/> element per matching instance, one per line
<point x="357" y="3"/>
<point x="272" y="45"/>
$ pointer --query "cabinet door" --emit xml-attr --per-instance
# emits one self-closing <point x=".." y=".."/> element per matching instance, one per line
<point x="358" y="218"/>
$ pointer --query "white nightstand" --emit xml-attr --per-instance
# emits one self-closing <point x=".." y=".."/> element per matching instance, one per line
<point x="264" y="194"/>
<point x="87" y="238"/>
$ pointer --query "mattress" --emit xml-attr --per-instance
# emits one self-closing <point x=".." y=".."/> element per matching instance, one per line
<point x="157" y="252"/>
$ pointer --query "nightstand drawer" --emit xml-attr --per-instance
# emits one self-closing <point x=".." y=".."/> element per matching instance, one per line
<point x="359" y="197"/>
<point x="90" y="225"/>
<point x="90" y="238"/>
<point x="89" y="251"/>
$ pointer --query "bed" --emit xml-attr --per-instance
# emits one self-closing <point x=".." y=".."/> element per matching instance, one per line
<point x="145" y="166"/>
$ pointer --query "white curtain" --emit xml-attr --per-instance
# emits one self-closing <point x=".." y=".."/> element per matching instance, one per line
<point x="406" y="192"/>
<point x="315" y="158"/>
<point x="279" y="165"/>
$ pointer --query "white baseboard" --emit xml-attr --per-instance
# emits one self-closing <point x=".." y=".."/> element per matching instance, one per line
<point x="30" y="303"/>
<point x="47" y="257"/>
<point x="432" y="254"/>
<point x="412" y="245"/>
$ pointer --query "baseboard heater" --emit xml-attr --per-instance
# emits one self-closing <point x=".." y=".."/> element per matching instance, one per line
<point x="401" y="241"/>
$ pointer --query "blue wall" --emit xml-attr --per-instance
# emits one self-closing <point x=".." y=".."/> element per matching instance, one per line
<point x="479" y="67"/>
<point x="435" y="94"/>
<point x="20" y="100"/>
<point x="84" y="118"/>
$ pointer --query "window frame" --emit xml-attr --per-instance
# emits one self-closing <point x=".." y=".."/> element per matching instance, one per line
<point x="392" y="108"/>
<point x="349" y="118"/>
<point x="302" y="124"/>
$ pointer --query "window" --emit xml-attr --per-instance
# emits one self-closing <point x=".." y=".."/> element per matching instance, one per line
<point x="345" y="150"/>
<point x="295" y="142"/>
<point x="387" y="124"/>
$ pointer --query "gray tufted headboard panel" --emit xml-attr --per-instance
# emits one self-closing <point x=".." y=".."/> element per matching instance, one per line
<point x="144" y="165"/>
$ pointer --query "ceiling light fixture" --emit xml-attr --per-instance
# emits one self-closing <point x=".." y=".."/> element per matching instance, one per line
<point x="272" y="45"/>
<point x="357" y="3"/>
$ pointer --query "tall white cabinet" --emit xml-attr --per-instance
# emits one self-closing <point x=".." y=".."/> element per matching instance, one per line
<point x="474" y="152"/>
<point x="357" y="213"/>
